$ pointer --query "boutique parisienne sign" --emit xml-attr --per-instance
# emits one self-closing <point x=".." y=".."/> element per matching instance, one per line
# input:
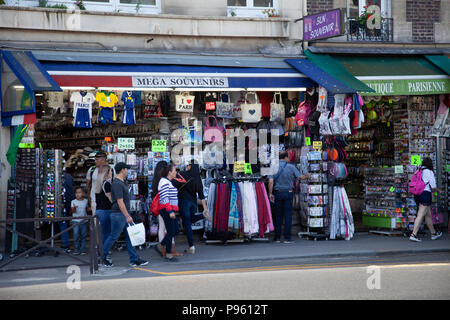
<point x="179" y="82"/>
<point x="408" y="87"/>
<point x="323" y="25"/>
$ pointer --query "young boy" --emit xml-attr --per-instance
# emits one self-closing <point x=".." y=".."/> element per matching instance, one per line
<point x="79" y="207"/>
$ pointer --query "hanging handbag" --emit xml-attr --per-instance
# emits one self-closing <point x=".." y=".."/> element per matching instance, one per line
<point x="224" y="109"/>
<point x="251" y="112"/>
<point x="184" y="102"/>
<point x="304" y="109"/>
<point x="212" y="133"/>
<point x="136" y="233"/>
<point x="277" y="109"/>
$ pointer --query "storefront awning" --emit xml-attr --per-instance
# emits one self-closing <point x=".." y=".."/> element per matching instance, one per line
<point x="337" y="71"/>
<point x="174" y="77"/>
<point x="397" y="75"/>
<point x="320" y="76"/>
<point x="442" y="62"/>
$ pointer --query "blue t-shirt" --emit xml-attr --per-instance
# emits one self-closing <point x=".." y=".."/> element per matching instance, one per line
<point x="287" y="172"/>
<point x="129" y="98"/>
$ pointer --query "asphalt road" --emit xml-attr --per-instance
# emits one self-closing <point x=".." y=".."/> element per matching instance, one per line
<point x="397" y="277"/>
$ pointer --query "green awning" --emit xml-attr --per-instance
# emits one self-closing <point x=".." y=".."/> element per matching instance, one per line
<point x="443" y="62"/>
<point x="335" y="69"/>
<point x="398" y="75"/>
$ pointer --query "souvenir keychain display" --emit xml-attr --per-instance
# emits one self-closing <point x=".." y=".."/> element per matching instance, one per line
<point x="53" y="200"/>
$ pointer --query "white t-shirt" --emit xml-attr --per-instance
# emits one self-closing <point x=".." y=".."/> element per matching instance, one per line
<point x="429" y="179"/>
<point x="81" y="208"/>
<point x="82" y="102"/>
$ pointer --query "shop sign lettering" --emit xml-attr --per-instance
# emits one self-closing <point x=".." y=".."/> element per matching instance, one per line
<point x="179" y="81"/>
<point x="407" y="87"/>
<point x="322" y="25"/>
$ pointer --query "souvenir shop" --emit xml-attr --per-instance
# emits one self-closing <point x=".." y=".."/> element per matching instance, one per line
<point x="142" y="114"/>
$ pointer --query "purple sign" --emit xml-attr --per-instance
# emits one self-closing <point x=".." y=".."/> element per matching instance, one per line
<point x="322" y="25"/>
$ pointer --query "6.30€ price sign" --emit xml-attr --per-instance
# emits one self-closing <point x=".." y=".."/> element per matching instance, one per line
<point x="159" y="145"/>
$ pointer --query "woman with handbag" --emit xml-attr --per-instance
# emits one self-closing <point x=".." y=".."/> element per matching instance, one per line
<point x="189" y="185"/>
<point x="103" y="199"/>
<point x="168" y="205"/>
<point x="424" y="201"/>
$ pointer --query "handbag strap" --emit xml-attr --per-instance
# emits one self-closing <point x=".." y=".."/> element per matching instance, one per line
<point x="275" y="98"/>
<point x="279" y="174"/>
<point x="254" y="94"/>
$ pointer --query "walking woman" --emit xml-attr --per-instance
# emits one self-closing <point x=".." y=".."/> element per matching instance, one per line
<point x="168" y="204"/>
<point x="189" y="185"/>
<point x="103" y="199"/>
<point x="424" y="202"/>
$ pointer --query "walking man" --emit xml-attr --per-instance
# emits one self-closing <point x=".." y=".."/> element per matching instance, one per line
<point x="120" y="217"/>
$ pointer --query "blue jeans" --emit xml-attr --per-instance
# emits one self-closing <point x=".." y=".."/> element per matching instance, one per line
<point x="65" y="235"/>
<point x="170" y="230"/>
<point x="283" y="206"/>
<point x="119" y="225"/>
<point x="188" y="210"/>
<point x="105" y="222"/>
<point x="79" y="236"/>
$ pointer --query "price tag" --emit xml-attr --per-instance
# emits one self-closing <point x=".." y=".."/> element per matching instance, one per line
<point x="125" y="143"/>
<point x="317" y="145"/>
<point x="159" y="145"/>
<point x="391" y="189"/>
<point x="307" y="141"/>
<point x="210" y="105"/>
<point x="108" y="139"/>
<point x="248" y="168"/>
<point x="239" y="166"/>
<point x="398" y="169"/>
<point x="447" y="168"/>
<point x="415" y="160"/>
<point x="26" y="145"/>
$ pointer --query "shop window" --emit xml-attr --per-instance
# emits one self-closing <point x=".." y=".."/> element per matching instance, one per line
<point x="252" y="8"/>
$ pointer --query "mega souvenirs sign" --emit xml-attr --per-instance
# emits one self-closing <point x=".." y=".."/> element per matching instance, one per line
<point x="323" y="25"/>
<point x="407" y="87"/>
<point x="179" y="82"/>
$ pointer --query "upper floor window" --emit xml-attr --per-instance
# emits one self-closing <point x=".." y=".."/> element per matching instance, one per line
<point x="356" y="7"/>
<point x="252" y="8"/>
<point x="129" y="6"/>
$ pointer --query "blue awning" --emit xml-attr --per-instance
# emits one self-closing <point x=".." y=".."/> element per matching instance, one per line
<point x="174" y="76"/>
<point x="321" y="77"/>
<point x="29" y="71"/>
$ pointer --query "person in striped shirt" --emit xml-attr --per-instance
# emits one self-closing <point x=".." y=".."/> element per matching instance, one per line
<point x="168" y="205"/>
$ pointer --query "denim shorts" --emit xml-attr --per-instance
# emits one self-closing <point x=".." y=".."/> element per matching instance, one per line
<point x="424" y="199"/>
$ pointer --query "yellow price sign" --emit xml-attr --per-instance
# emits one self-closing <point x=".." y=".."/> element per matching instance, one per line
<point x="317" y="145"/>
<point x="239" y="166"/>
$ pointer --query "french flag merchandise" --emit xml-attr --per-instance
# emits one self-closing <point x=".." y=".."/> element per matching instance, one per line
<point x="82" y="108"/>
<point x="19" y="119"/>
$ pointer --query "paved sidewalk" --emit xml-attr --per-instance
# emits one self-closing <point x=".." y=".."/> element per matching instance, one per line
<point x="363" y="244"/>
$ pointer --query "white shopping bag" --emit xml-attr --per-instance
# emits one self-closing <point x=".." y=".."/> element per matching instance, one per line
<point x="136" y="232"/>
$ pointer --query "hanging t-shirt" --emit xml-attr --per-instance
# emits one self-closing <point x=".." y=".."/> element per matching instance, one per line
<point x="82" y="108"/>
<point x="129" y="99"/>
<point x="55" y="99"/>
<point x="107" y="103"/>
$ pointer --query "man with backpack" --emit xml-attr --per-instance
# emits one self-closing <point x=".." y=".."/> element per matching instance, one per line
<point x="423" y="182"/>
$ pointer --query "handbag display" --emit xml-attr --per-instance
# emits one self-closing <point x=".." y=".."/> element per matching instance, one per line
<point x="136" y="232"/>
<point x="224" y="109"/>
<point x="251" y="112"/>
<point x="212" y="133"/>
<point x="304" y="109"/>
<point x="184" y="102"/>
<point x="277" y="109"/>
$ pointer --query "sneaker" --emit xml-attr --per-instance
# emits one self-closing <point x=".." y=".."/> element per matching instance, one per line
<point x="413" y="237"/>
<point x="66" y="250"/>
<point x="437" y="235"/>
<point x="83" y="253"/>
<point x="107" y="263"/>
<point x="190" y="250"/>
<point x="139" y="263"/>
<point x="277" y="241"/>
<point x="288" y="241"/>
<point x="170" y="257"/>
<point x="76" y="253"/>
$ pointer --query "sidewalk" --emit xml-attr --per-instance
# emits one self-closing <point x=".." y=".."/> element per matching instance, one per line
<point x="363" y="244"/>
